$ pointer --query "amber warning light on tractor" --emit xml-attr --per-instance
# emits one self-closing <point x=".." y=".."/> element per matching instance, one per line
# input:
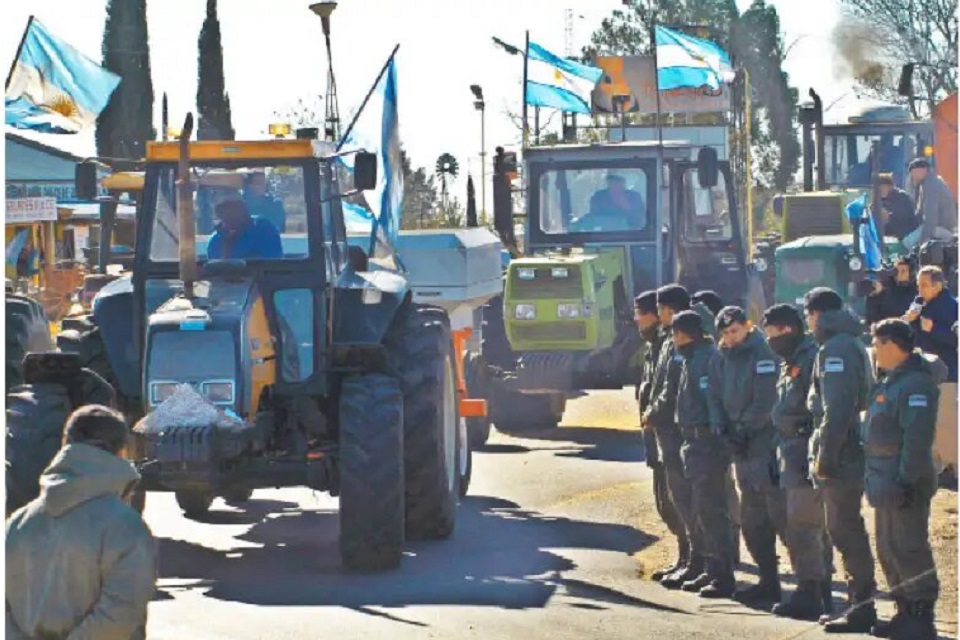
<point x="279" y="129"/>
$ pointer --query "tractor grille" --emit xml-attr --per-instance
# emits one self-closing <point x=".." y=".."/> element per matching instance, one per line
<point x="544" y="285"/>
<point x="813" y="215"/>
<point x="551" y="331"/>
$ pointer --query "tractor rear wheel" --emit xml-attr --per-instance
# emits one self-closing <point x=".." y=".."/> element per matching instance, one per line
<point x="478" y="386"/>
<point x="371" y="472"/>
<point x="419" y="349"/>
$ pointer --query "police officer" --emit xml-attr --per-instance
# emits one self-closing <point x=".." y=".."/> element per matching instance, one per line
<point x="705" y="461"/>
<point x="901" y="478"/>
<point x="841" y="379"/>
<point x="807" y="540"/>
<point x="661" y="415"/>
<point x="648" y="322"/>
<point x="743" y="388"/>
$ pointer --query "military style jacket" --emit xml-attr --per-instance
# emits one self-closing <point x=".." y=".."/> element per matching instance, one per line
<point x="791" y="416"/>
<point x="899" y="429"/>
<point x="692" y="406"/>
<point x="663" y="392"/>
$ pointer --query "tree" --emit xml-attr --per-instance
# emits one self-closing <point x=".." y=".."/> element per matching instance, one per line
<point x="876" y="37"/>
<point x="420" y="198"/>
<point x="126" y="124"/>
<point x="213" y="103"/>
<point x="753" y="40"/>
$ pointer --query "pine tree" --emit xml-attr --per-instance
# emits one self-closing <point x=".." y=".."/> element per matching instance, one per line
<point x="124" y="127"/>
<point x="213" y="103"/>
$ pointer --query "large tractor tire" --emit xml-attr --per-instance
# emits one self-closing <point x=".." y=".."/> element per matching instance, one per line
<point x="194" y="502"/>
<point x="27" y="330"/>
<point x="515" y="412"/>
<point x="420" y="352"/>
<point x="465" y="462"/>
<point x="36" y="415"/>
<point x="478" y="386"/>
<point x="371" y="472"/>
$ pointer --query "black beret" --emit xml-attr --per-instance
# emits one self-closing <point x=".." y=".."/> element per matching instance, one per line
<point x="729" y="316"/>
<point x="709" y="299"/>
<point x="646" y="302"/>
<point x="822" y="299"/>
<point x="920" y="163"/>
<point x="673" y="296"/>
<point x="689" y="323"/>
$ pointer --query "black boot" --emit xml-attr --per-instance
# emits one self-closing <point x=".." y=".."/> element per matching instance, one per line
<point x="766" y="591"/>
<point x="723" y="585"/>
<point x="683" y="553"/>
<point x="826" y="589"/>
<point x="736" y="545"/>
<point x="676" y="579"/>
<point x="917" y="624"/>
<point x="699" y="582"/>
<point x="883" y="628"/>
<point x="860" y="616"/>
<point x="806" y="603"/>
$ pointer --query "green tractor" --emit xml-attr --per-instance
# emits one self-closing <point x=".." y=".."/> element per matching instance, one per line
<point x="603" y="223"/>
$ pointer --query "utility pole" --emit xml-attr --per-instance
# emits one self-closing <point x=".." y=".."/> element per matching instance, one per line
<point x="480" y="106"/>
<point x="331" y="125"/>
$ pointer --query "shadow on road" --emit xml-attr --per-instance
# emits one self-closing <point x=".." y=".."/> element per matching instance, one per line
<point x="500" y="556"/>
<point x="588" y="443"/>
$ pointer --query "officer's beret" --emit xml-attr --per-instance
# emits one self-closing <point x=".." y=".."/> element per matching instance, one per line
<point x="729" y="316"/>
<point x="646" y="302"/>
<point x="709" y="299"/>
<point x="822" y="299"/>
<point x="689" y="323"/>
<point x="674" y="296"/>
<point x="919" y="163"/>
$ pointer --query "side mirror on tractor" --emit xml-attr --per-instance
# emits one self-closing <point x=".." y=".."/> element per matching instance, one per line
<point x="364" y="171"/>
<point x="85" y="180"/>
<point x="708" y="167"/>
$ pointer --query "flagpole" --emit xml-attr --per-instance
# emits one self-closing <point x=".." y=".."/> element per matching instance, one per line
<point x="526" y="58"/>
<point x="366" y="98"/>
<point x="16" y="58"/>
<point x="660" y="161"/>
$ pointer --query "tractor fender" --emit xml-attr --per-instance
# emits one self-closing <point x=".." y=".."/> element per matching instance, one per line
<point x="113" y="309"/>
<point x="365" y="305"/>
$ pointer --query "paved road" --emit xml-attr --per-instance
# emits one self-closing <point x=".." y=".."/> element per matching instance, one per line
<point x="543" y="549"/>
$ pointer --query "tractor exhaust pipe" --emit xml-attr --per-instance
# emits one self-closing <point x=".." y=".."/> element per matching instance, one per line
<point x="818" y="133"/>
<point x="185" y="214"/>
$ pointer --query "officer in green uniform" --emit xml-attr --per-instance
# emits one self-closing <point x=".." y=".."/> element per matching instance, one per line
<point x="661" y="415"/>
<point x="743" y="390"/>
<point x="840" y="382"/>
<point x="648" y="323"/>
<point x="901" y="478"/>
<point x="706" y="460"/>
<point x="807" y="541"/>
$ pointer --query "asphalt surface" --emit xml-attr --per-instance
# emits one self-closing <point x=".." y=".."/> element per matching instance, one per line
<point x="543" y="549"/>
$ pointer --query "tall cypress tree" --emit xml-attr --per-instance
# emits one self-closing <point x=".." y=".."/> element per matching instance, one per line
<point x="124" y="127"/>
<point x="213" y="103"/>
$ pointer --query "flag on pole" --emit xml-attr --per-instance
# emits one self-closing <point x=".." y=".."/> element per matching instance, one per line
<point x="687" y="62"/>
<point x="52" y="87"/>
<point x="377" y="131"/>
<point x="558" y="82"/>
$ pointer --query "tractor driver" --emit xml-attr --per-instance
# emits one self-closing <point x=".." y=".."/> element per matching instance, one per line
<point x="239" y="236"/>
<point x="615" y="208"/>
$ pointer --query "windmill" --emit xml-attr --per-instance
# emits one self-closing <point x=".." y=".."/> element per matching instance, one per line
<point x="446" y="166"/>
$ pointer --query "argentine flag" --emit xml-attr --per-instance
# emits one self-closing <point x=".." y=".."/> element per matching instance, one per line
<point x="53" y="88"/>
<point x="377" y="130"/>
<point x="558" y="82"/>
<point x="687" y="62"/>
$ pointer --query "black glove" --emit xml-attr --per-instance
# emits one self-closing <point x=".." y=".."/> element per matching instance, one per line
<point x="907" y="494"/>
<point x="739" y="443"/>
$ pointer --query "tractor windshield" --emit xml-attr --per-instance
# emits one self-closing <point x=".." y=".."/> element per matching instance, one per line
<point x="852" y="157"/>
<point x="595" y="199"/>
<point x="254" y="212"/>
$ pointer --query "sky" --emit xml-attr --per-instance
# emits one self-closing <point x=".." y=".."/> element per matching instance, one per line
<point x="273" y="55"/>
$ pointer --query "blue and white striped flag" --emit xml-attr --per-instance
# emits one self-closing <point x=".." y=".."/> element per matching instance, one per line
<point x="54" y="88"/>
<point x="558" y="82"/>
<point x="687" y="62"/>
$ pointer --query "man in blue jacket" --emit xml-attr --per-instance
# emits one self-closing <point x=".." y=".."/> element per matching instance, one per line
<point x="239" y="236"/>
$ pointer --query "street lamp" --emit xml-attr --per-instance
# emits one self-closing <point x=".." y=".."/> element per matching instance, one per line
<point x="480" y="105"/>
<point x="332" y="116"/>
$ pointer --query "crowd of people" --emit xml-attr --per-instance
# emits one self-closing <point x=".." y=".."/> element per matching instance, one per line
<point x="810" y="421"/>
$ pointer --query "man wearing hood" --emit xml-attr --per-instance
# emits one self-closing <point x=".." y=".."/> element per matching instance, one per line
<point x="892" y="297"/>
<point x="841" y="379"/>
<point x="81" y="531"/>
<point x="648" y="322"/>
<point x="661" y="415"/>
<point x="901" y="479"/>
<point x="742" y="392"/>
<point x="706" y="461"/>
<point x="807" y="540"/>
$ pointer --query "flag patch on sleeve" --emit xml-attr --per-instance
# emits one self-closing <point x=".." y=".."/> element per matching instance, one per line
<point x="833" y="365"/>
<point x="678" y="358"/>
<point x="704" y="382"/>
<point x="766" y="366"/>
<point x="917" y="400"/>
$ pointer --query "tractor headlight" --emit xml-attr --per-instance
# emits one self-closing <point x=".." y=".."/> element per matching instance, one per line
<point x="161" y="391"/>
<point x="526" y="274"/>
<point x="569" y="310"/>
<point x="855" y="263"/>
<point x="218" y="391"/>
<point x="525" y="312"/>
<point x="559" y="272"/>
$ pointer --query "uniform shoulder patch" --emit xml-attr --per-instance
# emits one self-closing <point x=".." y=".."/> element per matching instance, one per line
<point x="678" y="358"/>
<point x="833" y="365"/>
<point x="766" y="366"/>
<point x="704" y="382"/>
<point x="917" y="400"/>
